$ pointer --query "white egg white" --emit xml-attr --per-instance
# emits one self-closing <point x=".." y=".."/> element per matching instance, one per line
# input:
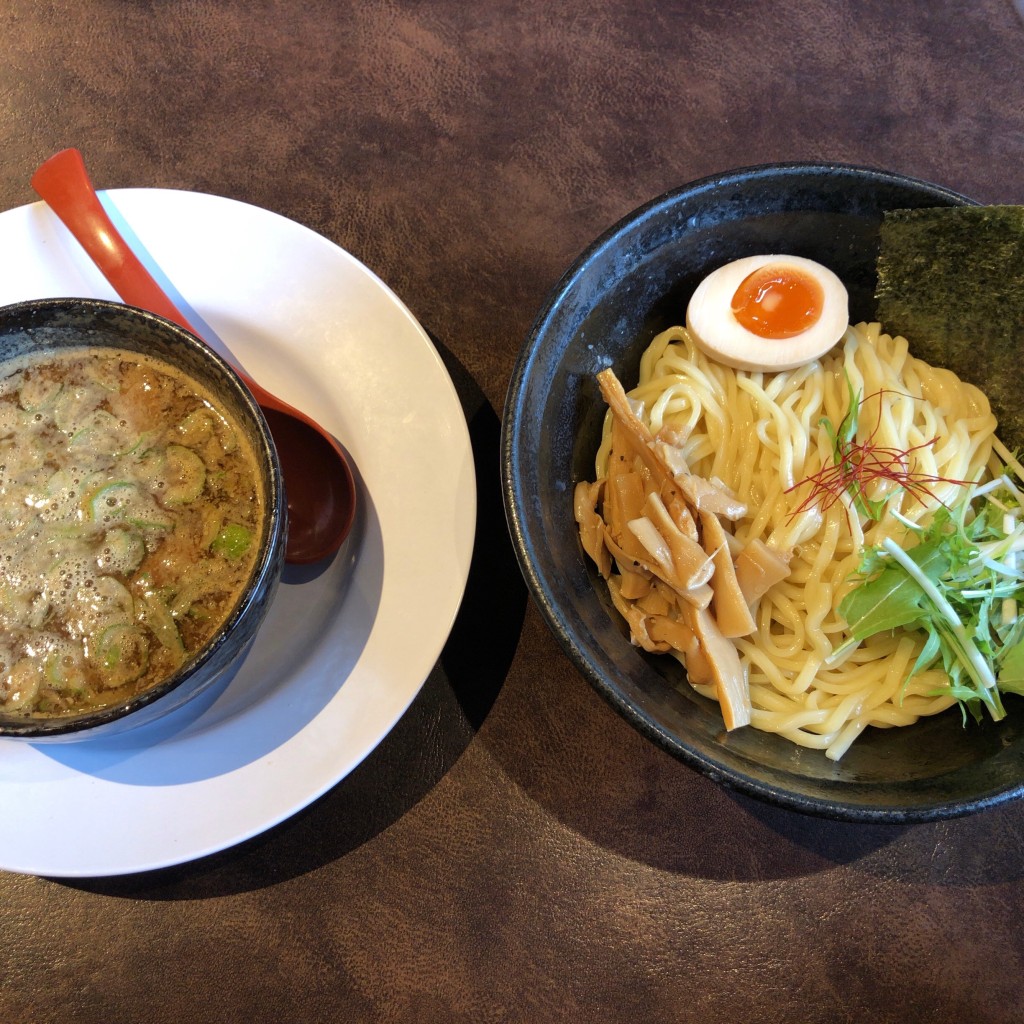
<point x="715" y="329"/>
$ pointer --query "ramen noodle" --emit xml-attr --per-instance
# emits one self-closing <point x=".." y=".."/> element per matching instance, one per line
<point x="754" y="439"/>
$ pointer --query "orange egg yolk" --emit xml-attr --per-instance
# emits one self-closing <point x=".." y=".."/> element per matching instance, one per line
<point x="778" y="301"/>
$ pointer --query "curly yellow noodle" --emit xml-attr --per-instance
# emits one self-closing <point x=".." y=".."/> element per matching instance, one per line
<point x="761" y="435"/>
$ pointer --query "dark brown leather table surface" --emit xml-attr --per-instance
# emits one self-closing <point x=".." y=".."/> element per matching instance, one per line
<point x="513" y="851"/>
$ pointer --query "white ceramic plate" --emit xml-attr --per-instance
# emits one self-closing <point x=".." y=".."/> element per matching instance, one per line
<point x="343" y="652"/>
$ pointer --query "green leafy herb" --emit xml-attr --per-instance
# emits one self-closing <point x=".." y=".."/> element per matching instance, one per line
<point x="960" y="585"/>
<point x="848" y="457"/>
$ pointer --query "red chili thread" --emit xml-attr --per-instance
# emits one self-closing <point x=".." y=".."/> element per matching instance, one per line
<point x="861" y="463"/>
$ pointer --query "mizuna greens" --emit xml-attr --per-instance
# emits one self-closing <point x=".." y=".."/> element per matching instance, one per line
<point x="959" y="582"/>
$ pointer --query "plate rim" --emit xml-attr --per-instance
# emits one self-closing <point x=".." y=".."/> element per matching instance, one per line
<point x="463" y="497"/>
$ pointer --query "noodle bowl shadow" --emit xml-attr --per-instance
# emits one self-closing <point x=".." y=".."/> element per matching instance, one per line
<point x="630" y="284"/>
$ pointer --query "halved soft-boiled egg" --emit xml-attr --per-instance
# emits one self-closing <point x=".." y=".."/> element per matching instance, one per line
<point x="768" y="312"/>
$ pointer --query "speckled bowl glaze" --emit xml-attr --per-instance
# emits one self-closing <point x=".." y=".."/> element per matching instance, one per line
<point x="631" y="283"/>
<point x="62" y="323"/>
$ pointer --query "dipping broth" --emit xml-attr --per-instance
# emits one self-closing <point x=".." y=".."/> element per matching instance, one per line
<point x="130" y="517"/>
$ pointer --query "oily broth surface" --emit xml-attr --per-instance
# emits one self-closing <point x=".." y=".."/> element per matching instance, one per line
<point x="130" y="516"/>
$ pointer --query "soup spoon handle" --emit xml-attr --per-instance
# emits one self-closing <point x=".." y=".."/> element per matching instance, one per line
<point x="64" y="183"/>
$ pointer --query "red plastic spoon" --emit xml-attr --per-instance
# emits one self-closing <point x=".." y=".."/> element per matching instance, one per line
<point x="318" y="481"/>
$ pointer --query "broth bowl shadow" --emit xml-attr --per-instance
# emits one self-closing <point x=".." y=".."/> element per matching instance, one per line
<point x="424" y="744"/>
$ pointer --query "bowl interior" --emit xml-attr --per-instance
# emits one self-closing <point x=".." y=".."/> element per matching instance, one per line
<point x="63" y="323"/>
<point x="630" y="284"/>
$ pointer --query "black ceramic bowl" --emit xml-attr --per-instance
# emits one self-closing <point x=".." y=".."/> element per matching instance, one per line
<point x="633" y="282"/>
<point x="61" y="323"/>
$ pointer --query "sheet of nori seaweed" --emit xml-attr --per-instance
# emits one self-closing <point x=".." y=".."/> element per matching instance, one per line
<point x="951" y="281"/>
